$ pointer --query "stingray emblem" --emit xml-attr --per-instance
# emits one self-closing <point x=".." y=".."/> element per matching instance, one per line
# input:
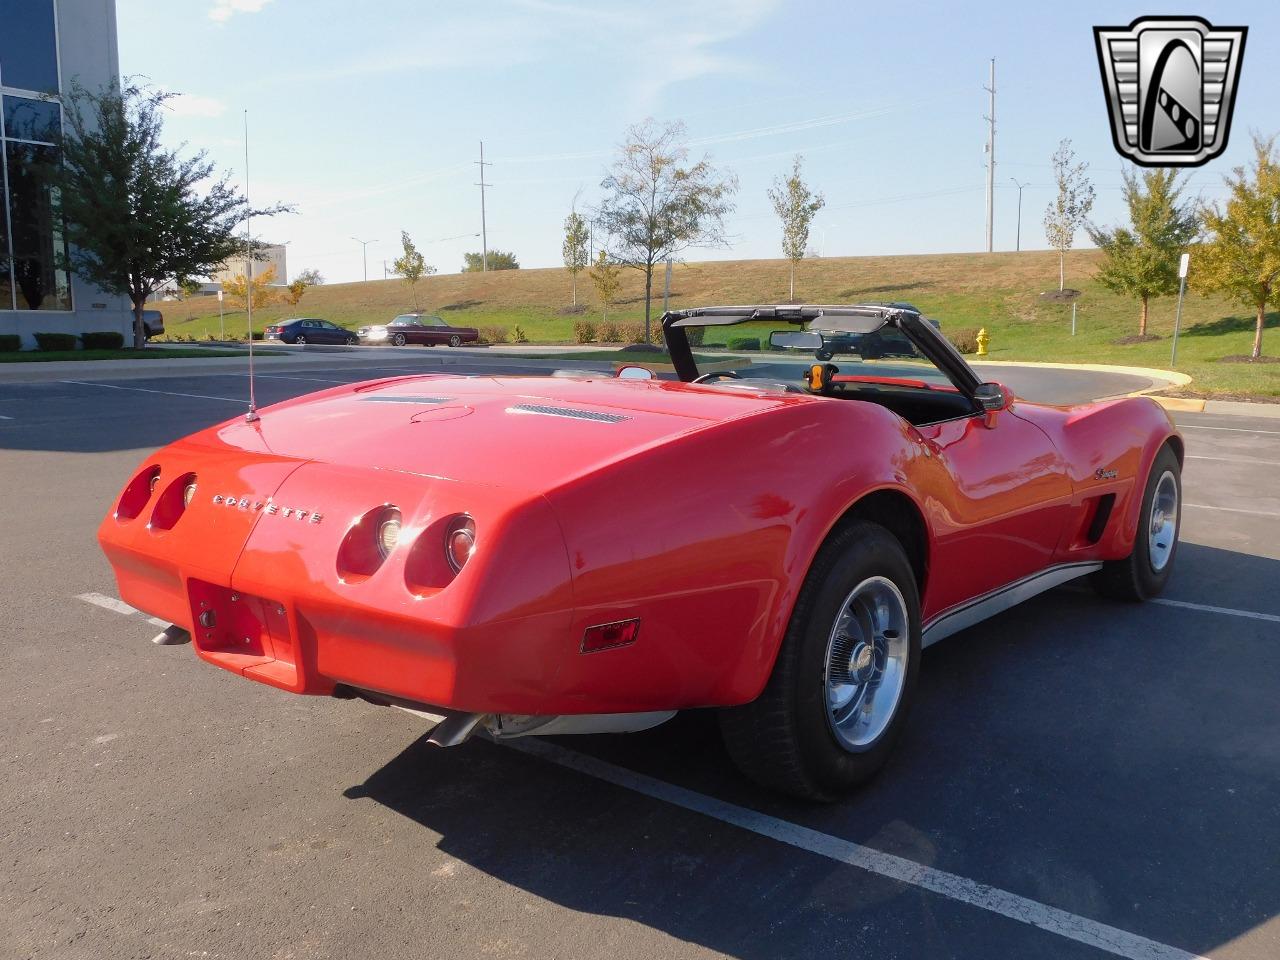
<point x="1170" y="84"/>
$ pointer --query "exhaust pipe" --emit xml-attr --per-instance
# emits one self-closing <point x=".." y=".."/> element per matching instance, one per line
<point x="171" y="636"/>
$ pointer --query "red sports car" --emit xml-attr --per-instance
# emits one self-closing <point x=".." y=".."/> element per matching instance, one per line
<point x="530" y="555"/>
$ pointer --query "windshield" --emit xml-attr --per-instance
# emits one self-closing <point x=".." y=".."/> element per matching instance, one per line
<point x="785" y="352"/>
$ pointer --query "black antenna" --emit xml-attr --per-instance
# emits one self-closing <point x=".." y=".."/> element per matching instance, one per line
<point x="252" y="415"/>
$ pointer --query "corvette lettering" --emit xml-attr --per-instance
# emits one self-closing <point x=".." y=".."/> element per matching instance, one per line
<point x="269" y="507"/>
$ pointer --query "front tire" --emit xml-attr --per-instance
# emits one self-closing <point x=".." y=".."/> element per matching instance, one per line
<point x="845" y="675"/>
<point x="300" y="340"/>
<point x="455" y="341"/>
<point x="398" y="340"/>
<point x="1145" y="571"/>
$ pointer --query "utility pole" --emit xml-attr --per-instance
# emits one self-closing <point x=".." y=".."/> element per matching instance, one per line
<point x="991" y="156"/>
<point x="484" y="231"/>
<point x="1018" y="243"/>
<point x="364" y="253"/>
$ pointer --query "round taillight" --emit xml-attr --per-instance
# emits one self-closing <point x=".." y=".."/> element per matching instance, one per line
<point x="137" y="493"/>
<point x="460" y="542"/>
<point x="172" y="503"/>
<point x="388" y="532"/>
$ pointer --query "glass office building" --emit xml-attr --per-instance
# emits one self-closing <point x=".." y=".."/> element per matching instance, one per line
<point x="45" y="45"/>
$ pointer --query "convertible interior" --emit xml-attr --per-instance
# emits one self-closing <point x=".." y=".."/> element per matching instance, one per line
<point x="916" y="401"/>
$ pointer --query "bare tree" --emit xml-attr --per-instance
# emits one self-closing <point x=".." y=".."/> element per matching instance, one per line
<point x="1070" y="211"/>
<point x="655" y="207"/>
<point x="575" y="248"/>
<point x="796" y="206"/>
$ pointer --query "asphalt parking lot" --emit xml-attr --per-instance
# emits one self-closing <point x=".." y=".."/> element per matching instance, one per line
<point x="1080" y="778"/>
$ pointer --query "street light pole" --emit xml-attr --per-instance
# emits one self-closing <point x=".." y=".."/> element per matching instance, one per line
<point x="364" y="254"/>
<point x="1018" y="244"/>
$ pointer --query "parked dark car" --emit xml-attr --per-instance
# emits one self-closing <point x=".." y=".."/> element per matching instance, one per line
<point x="869" y="346"/>
<point x="152" y="323"/>
<point x="308" y="330"/>
<point x="418" y="328"/>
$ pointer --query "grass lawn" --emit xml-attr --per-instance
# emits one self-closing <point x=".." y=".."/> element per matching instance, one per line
<point x="997" y="291"/>
<point x="612" y="356"/>
<point x="167" y="353"/>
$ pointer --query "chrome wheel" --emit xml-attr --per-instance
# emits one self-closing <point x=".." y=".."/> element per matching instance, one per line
<point x="1162" y="525"/>
<point x="866" y="663"/>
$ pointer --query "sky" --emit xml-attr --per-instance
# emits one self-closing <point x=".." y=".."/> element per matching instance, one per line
<point x="368" y="117"/>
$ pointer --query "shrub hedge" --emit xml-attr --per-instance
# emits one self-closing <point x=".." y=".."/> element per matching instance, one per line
<point x="10" y="342"/>
<point x="744" y="343"/>
<point x="584" y="331"/>
<point x="56" y="341"/>
<point x="102" y="340"/>
<point x="965" y="339"/>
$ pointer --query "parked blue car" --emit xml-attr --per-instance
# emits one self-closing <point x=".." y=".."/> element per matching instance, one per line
<point x="309" y="330"/>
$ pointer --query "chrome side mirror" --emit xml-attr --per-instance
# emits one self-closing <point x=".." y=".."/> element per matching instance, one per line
<point x="992" y="396"/>
<point x="634" y="373"/>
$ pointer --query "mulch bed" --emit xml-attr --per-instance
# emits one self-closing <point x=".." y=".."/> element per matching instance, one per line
<point x="1137" y="338"/>
<point x="1060" y="296"/>
<point x="1243" y="358"/>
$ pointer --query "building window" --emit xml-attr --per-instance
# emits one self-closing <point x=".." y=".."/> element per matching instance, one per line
<point x="29" y="45"/>
<point x="38" y="246"/>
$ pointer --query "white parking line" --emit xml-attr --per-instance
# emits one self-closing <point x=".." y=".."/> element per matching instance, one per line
<point x="1261" y="463"/>
<point x="1229" y="611"/>
<point x="117" y="606"/>
<point x="1072" y="926"/>
<point x="5" y="418"/>
<point x="1199" y="426"/>
<point x="166" y="393"/>
<point x="1254" y="513"/>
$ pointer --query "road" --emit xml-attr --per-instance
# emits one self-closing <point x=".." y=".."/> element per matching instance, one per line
<point x="1076" y="773"/>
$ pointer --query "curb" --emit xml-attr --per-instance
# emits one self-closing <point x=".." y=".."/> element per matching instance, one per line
<point x="1177" y="404"/>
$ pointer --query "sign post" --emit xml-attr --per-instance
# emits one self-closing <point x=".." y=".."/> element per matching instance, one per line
<point x="222" y="327"/>
<point x="1182" y="289"/>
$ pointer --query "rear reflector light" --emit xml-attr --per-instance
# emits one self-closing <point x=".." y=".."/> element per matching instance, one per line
<point x="606" y="636"/>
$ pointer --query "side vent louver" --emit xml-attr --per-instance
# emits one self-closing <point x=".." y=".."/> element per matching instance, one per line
<point x="569" y="412"/>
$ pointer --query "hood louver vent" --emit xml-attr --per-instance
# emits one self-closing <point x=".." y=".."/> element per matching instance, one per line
<point x="569" y="412"/>
<point x="403" y="398"/>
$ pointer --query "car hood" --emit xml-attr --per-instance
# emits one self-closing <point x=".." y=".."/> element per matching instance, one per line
<point x="533" y="433"/>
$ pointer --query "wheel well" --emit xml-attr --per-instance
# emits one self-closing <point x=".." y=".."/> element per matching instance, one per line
<point x="1175" y="444"/>
<point x="898" y="514"/>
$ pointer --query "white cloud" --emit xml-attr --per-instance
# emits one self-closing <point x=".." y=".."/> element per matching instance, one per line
<point x="191" y="105"/>
<point x="224" y="10"/>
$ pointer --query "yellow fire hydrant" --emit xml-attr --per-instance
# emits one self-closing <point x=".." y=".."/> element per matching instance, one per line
<point x="983" y="339"/>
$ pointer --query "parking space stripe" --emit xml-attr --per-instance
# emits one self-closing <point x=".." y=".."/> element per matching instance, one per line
<point x="107" y="603"/>
<point x="1113" y="940"/>
<point x="1228" y="611"/>
<point x="1255" y="513"/>
<point x="244" y="401"/>
<point x="1200" y="426"/>
<point x="1260" y="463"/>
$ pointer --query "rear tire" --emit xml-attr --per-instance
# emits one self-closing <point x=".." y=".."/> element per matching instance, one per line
<point x="300" y="340"/>
<point x="1145" y="571"/>
<point x="844" y="679"/>
<point x="455" y="341"/>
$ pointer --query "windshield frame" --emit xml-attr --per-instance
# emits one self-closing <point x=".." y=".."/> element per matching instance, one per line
<point x="856" y="317"/>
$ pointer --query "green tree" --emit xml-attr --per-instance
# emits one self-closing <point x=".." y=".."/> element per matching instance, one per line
<point x="575" y="248"/>
<point x="411" y="265"/>
<point x="498" y="260"/>
<point x="293" y="293"/>
<point x="655" y="206"/>
<point x="311" y="277"/>
<point x="138" y="215"/>
<point x="1069" y="211"/>
<point x="796" y="206"/>
<point x="1241" y="258"/>
<point x="607" y="278"/>
<point x="1142" y="260"/>
<point x="188" y="287"/>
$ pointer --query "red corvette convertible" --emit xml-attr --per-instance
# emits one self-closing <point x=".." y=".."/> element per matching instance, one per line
<point x="528" y="555"/>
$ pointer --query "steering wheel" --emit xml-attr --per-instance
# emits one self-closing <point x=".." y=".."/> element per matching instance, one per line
<point x="709" y="377"/>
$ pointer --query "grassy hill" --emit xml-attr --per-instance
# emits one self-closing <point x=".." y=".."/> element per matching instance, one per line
<point x="997" y="291"/>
